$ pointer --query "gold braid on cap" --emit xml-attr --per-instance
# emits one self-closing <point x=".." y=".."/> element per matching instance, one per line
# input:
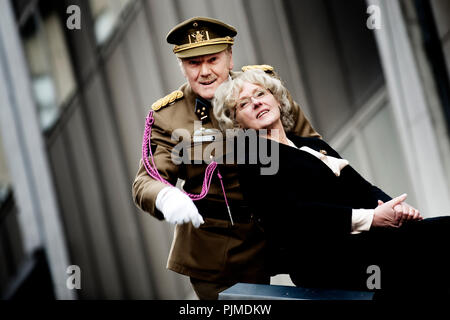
<point x="187" y="46"/>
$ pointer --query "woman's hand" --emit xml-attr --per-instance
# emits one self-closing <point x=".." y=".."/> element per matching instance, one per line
<point x="394" y="213"/>
<point x="405" y="212"/>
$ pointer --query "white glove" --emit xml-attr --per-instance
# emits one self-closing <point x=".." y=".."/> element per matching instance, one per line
<point x="177" y="207"/>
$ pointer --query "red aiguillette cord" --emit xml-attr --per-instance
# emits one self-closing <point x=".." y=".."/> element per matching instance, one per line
<point x="153" y="171"/>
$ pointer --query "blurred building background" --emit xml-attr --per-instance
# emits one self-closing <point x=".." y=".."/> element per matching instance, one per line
<point x="73" y="104"/>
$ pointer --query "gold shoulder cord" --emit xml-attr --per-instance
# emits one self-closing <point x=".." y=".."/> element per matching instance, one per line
<point x="264" y="67"/>
<point x="167" y="100"/>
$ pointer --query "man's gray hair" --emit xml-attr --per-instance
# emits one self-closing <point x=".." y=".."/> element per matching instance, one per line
<point x="225" y="98"/>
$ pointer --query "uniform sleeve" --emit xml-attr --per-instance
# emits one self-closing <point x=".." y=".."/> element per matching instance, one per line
<point x="302" y="125"/>
<point x="145" y="189"/>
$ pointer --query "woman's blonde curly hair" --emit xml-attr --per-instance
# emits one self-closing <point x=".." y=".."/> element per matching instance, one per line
<point x="224" y="101"/>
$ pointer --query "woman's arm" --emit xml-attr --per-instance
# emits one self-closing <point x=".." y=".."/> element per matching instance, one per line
<point x="371" y="193"/>
<point x="388" y="212"/>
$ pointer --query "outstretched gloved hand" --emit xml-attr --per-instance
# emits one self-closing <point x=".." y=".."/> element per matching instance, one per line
<point x="177" y="207"/>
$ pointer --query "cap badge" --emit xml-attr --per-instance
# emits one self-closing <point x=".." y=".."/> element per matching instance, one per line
<point x="198" y="36"/>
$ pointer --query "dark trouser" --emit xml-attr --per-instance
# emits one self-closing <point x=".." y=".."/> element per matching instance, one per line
<point x="412" y="260"/>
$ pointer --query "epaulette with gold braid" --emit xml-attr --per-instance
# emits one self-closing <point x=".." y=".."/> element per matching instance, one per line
<point x="170" y="98"/>
<point x="264" y="67"/>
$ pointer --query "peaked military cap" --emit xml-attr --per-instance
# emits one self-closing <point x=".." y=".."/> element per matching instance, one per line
<point x="199" y="36"/>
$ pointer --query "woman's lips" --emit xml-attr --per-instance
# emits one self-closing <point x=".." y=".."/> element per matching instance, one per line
<point x="262" y="113"/>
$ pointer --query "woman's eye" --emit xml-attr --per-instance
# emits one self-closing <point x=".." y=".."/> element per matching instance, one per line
<point x="259" y="93"/>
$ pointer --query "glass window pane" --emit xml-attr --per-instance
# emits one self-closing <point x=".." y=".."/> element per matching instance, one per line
<point x="52" y="77"/>
<point x="106" y="14"/>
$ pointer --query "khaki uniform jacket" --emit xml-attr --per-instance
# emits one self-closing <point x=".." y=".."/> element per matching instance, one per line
<point x="217" y="251"/>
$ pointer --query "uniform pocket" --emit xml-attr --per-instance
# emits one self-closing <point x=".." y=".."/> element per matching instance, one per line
<point x="210" y="244"/>
<point x="203" y="249"/>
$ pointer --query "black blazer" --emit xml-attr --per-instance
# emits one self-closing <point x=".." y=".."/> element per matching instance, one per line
<point x="305" y="197"/>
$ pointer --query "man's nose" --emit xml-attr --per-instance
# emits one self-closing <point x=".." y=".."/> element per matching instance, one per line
<point x="204" y="70"/>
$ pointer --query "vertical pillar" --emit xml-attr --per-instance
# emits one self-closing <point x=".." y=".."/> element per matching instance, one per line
<point x="39" y="218"/>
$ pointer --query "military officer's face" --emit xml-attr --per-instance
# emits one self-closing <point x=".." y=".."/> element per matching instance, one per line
<point x="206" y="73"/>
<point x="257" y="108"/>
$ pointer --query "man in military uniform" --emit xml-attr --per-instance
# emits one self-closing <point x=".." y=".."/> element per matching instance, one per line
<point x="212" y="250"/>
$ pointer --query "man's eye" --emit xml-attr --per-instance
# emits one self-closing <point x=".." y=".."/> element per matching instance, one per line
<point x="193" y="63"/>
<point x="213" y="59"/>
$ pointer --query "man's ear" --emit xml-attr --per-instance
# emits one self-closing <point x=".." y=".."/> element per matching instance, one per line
<point x="181" y="65"/>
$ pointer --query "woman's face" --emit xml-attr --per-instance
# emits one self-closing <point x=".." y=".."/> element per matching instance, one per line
<point x="257" y="108"/>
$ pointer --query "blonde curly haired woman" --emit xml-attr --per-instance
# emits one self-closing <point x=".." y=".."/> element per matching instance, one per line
<point x="327" y="225"/>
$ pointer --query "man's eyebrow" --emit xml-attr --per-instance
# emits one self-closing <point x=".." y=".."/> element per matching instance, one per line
<point x="191" y="59"/>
